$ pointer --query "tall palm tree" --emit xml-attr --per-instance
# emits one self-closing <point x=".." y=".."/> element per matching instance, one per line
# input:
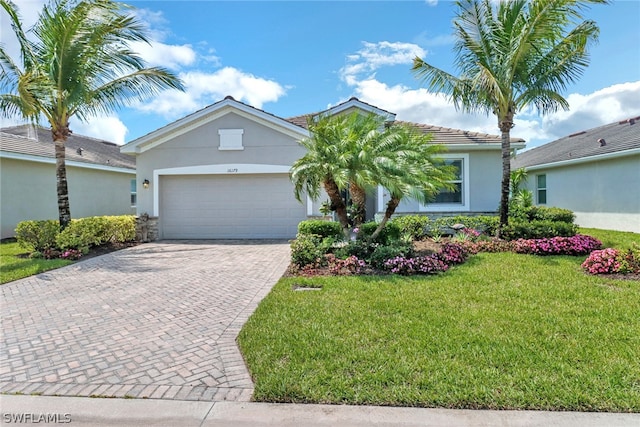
<point x="76" y="63"/>
<point x="410" y="168"/>
<point x="511" y="54"/>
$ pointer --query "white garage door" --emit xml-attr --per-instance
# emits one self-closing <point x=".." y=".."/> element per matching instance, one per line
<point x="229" y="207"/>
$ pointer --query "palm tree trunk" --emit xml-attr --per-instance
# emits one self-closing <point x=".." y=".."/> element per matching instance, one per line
<point x="359" y="200"/>
<point x="392" y="204"/>
<point x="64" y="212"/>
<point x="505" y="128"/>
<point x="338" y="205"/>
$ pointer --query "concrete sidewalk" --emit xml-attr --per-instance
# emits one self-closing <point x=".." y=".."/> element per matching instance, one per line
<point x="82" y="411"/>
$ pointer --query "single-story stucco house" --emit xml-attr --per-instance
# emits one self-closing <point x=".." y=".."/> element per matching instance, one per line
<point x="595" y="173"/>
<point x="223" y="172"/>
<point x="101" y="179"/>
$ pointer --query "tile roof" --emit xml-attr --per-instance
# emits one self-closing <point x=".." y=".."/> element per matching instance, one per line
<point x="440" y="134"/>
<point x="611" y="138"/>
<point x="16" y="139"/>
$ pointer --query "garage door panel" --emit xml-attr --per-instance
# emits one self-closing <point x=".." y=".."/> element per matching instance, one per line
<point x="228" y="207"/>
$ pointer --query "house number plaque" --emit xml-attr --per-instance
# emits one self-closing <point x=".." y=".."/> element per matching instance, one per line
<point x="234" y="170"/>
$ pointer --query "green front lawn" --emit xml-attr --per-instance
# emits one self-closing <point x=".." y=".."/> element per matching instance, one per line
<point x="502" y="331"/>
<point x="14" y="267"/>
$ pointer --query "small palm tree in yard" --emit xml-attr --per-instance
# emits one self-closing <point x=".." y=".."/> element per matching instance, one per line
<point x="512" y="54"/>
<point x="410" y="168"/>
<point x="75" y="61"/>
<point x="359" y="152"/>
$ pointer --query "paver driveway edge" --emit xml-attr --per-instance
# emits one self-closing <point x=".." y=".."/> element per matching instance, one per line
<point x="158" y="321"/>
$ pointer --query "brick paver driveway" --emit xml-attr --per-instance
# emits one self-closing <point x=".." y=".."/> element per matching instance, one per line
<point x="157" y="320"/>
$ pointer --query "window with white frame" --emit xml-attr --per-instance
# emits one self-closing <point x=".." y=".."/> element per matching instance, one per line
<point x="541" y="189"/>
<point x="453" y="196"/>
<point x="230" y="139"/>
<point x="134" y="194"/>
<point x="458" y="198"/>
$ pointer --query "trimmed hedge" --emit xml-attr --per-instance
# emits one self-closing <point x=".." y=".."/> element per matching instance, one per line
<point x="412" y="225"/>
<point x="38" y="235"/>
<point x="80" y="234"/>
<point x="484" y="223"/>
<point x="542" y="213"/>
<point x="321" y="228"/>
<point x="538" y="230"/>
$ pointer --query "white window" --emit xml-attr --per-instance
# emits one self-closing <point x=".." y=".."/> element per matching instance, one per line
<point x="230" y="139"/>
<point x="457" y="199"/>
<point x="541" y="189"/>
<point x="134" y="194"/>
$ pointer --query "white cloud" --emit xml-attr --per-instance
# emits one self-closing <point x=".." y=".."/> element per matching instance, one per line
<point x="604" y="106"/>
<point x="376" y="55"/>
<point x="164" y="55"/>
<point x="203" y="88"/>
<point x="431" y="2"/>
<point x="109" y="128"/>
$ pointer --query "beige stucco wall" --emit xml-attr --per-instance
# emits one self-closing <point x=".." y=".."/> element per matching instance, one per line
<point x="603" y="194"/>
<point x="28" y="192"/>
<point x="200" y="146"/>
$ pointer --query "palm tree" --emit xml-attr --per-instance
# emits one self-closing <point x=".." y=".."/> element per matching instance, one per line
<point x="324" y="165"/>
<point x="77" y="63"/>
<point x="512" y="54"/>
<point x="410" y="167"/>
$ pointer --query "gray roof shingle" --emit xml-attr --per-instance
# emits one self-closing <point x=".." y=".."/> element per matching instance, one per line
<point x="618" y="136"/>
<point x="16" y="139"/>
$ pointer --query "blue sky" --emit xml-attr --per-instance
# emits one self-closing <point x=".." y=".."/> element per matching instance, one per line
<point x="296" y="57"/>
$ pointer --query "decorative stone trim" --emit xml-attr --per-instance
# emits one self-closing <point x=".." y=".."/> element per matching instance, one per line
<point x="146" y="228"/>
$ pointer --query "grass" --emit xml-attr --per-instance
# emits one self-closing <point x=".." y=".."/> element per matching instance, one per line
<point x="502" y="331"/>
<point x="14" y="267"/>
<point x="613" y="239"/>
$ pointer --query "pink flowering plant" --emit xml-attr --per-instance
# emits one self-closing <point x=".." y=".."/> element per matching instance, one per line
<point x="574" y="245"/>
<point x="71" y="254"/>
<point x="430" y="264"/>
<point x="603" y="261"/>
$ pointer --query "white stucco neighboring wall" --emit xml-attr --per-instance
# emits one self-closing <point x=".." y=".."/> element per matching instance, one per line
<point x="28" y="192"/>
<point x="602" y="194"/>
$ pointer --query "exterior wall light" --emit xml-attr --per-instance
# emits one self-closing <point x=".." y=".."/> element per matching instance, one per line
<point x="145" y="183"/>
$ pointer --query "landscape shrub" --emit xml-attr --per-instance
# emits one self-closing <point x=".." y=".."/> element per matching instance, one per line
<point x="37" y="236"/>
<point x="412" y="225"/>
<point x="538" y="229"/>
<point x="430" y="264"/>
<point x="484" y="223"/>
<point x="390" y="232"/>
<point x="121" y="229"/>
<point x="543" y="213"/>
<point x="321" y="228"/>
<point x="361" y="249"/>
<point x="574" y="245"/>
<point x="453" y="253"/>
<point x="344" y="267"/>
<point x="603" y="261"/>
<point x="309" y="249"/>
<point x="630" y="259"/>
<point x="383" y="253"/>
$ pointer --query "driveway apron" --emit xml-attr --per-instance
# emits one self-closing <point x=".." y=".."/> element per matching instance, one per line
<point x="157" y="321"/>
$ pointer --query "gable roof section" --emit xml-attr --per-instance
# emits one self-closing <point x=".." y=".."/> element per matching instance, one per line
<point x="454" y="138"/>
<point x="620" y="138"/>
<point x="20" y="142"/>
<point x="462" y="138"/>
<point x="208" y="114"/>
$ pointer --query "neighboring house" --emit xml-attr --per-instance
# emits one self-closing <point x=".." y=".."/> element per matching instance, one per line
<point x="223" y="172"/>
<point x="595" y="173"/>
<point x="101" y="180"/>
